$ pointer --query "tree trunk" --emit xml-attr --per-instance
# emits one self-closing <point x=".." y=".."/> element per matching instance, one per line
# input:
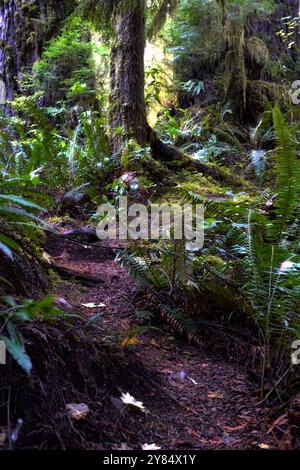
<point x="128" y="117"/>
<point x="25" y="26"/>
<point x="128" y="108"/>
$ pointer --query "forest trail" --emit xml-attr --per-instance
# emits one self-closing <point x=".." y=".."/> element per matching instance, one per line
<point x="194" y="399"/>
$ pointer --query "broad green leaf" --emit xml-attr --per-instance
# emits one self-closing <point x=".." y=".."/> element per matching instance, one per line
<point x="7" y="251"/>
<point x="21" y="201"/>
<point x="18" y="353"/>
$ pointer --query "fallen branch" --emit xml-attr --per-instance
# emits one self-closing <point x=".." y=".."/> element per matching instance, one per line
<point x="68" y="273"/>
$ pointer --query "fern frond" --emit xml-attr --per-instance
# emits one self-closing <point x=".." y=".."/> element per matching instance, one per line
<point x="287" y="170"/>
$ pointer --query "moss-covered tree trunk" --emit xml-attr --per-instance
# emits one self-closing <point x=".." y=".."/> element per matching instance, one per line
<point x="25" y="25"/>
<point x="128" y="117"/>
<point x="128" y="108"/>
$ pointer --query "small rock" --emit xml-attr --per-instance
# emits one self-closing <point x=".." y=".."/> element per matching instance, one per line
<point x="85" y="234"/>
<point x="75" y="197"/>
<point x="77" y="411"/>
<point x="63" y="304"/>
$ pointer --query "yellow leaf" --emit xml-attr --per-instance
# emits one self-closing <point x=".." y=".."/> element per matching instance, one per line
<point x="264" y="446"/>
<point x="215" y="395"/>
<point x="46" y="257"/>
<point x="133" y="341"/>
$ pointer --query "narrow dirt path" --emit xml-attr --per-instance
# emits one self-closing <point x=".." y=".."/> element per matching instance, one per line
<point x="206" y="403"/>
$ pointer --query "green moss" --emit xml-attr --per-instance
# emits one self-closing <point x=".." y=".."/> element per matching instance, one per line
<point x="33" y="9"/>
<point x="198" y="184"/>
<point x="8" y="60"/>
<point x="258" y="50"/>
<point x="32" y="38"/>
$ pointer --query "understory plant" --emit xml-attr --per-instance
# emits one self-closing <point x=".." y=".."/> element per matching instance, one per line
<point x="250" y="262"/>
<point x="13" y="315"/>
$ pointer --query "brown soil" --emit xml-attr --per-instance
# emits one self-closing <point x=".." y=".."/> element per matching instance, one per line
<point x="216" y="409"/>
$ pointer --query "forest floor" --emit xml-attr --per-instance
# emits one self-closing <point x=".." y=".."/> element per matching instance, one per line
<point x="194" y="399"/>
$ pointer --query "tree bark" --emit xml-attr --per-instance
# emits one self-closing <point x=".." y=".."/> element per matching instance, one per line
<point x="128" y="108"/>
<point x="25" y="26"/>
<point x="128" y="117"/>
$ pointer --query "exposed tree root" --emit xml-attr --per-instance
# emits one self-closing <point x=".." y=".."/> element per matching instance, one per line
<point x="172" y="156"/>
<point x="68" y="273"/>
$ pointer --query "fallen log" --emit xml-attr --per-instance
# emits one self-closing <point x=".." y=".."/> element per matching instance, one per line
<point x="67" y="273"/>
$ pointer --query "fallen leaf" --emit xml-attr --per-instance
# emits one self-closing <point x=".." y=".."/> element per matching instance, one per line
<point x="150" y="447"/>
<point x="215" y="395"/>
<point x="128" y="399"/>
<point x="77" y="411"/>
<point x="133" y="341"/>
<point x="93" y="305"/>
<point x="46" y="257"/>
<point x="264" y="446"/>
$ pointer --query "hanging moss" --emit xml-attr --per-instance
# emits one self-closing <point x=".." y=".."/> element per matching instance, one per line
<point x="261" y="93"/>
<point x="235" y="77"/>
<point x="32" y="38"/>
<point x="257" y="50"/>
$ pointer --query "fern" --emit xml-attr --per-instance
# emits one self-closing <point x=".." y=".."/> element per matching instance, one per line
<point x="167" y="271"/>
<point x="287" y="170"/>
<point x="139" y="268"/>
<point x="14" y="314"/>
<point x="17" y="224"/>
<point x="17" y="351"/>
<point x="270" y="289"/>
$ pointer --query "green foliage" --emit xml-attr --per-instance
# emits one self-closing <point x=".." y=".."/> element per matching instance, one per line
<point x="272" y="292"/>
<point x="287" y="174"/>
<point x="33" y="149"/>
<point x="65" y="75"/>
<point x="166" y="270"/>
<point x="163" y="266"/>
<point x="13" y="314"/>
<point x="178" y="129"/>
<point x="195" y="87"/>
<point x="18" y="223"/>
<point x="58" y="135"/>
<point x="260" y="253"/>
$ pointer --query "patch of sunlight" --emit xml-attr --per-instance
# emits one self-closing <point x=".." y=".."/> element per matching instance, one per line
<point x="158" y="60"/>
